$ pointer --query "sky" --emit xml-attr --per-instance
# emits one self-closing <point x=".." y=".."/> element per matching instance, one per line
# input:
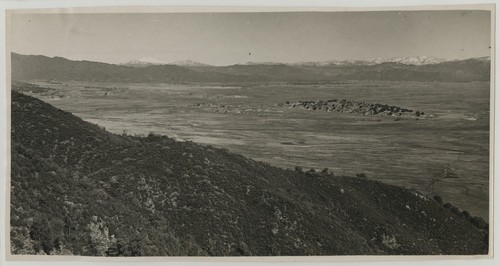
<point x="235" y="38"/>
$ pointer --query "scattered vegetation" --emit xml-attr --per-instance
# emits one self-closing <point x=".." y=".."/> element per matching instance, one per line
<point x="438" y="199"/>
<point x="361" y="175"/>
<point x="29" y="88"/>
<point x="357" y="107"/>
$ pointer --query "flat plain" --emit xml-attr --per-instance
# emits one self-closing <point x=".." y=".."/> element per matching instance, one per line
<point x="445" y="154"/>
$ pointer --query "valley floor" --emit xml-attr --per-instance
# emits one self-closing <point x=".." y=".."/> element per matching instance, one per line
<point x="446" y="154"/>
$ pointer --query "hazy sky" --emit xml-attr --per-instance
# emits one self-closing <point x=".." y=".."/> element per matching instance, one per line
<point x="229" y="38"/>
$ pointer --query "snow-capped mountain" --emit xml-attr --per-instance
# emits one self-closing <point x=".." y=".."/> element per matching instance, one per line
<point x="412" y="60"/>
<point x="416" y="60"/>
<point x="188" y="63"/>
<point x="337" y="63"/>
<point x="143" y="62"/>
<point x="250" y="63"/>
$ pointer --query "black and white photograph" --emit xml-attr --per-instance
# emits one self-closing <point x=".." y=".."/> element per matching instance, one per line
<point x="249" y="133"/>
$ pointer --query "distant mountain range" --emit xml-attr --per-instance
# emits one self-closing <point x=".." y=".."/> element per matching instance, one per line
<point x="413" y="60"/>
<point x="144" y="62"/>
<point x="37" y="67"/>
<point x="188" y="63"/>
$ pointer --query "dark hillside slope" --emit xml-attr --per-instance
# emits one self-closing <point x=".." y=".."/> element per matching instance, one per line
<point x="77" y="189"/>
